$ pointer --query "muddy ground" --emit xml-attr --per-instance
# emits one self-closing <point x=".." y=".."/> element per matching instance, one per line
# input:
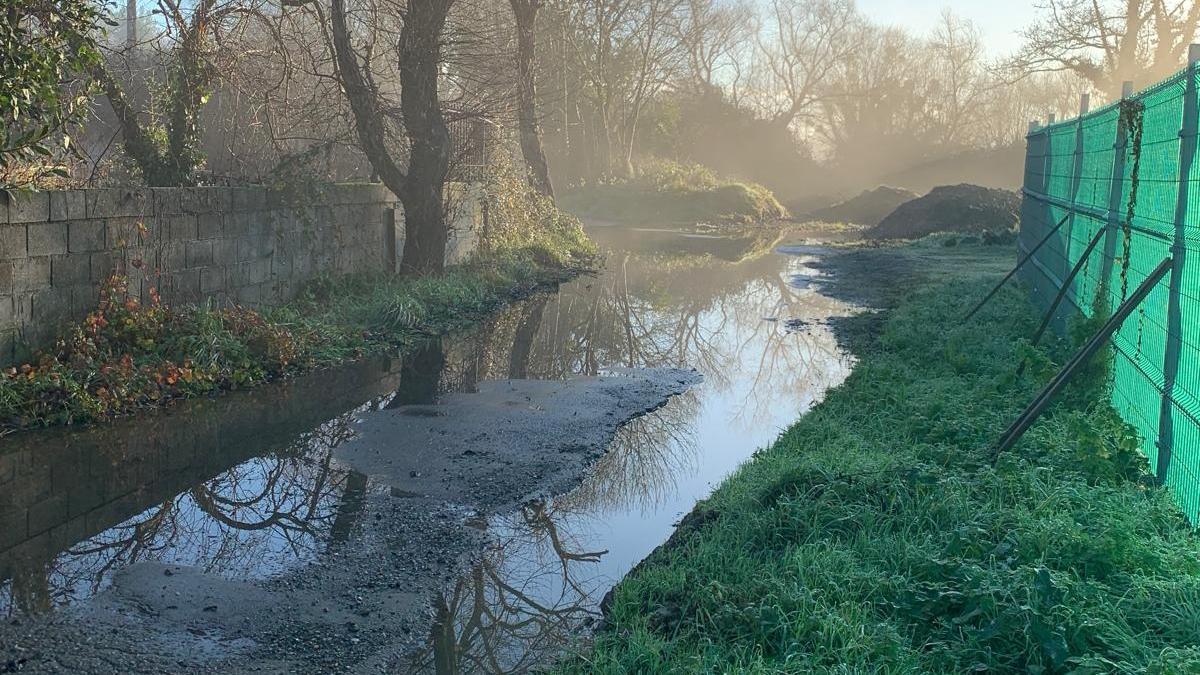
<point x="438" y="472"/>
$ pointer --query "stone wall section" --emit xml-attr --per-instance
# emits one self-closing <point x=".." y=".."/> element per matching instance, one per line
<point x="245" y="245"/>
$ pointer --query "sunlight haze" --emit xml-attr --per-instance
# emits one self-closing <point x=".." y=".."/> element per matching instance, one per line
<point x="1000" y="22"/>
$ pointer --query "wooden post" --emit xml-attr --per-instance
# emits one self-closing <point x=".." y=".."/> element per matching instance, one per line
<point x="1187" y="157"/>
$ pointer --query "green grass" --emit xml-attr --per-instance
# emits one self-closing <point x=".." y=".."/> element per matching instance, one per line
<point x="875" y="536"/>
<point x="670" y="192"/>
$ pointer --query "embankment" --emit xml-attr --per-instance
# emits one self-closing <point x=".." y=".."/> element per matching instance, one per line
<point x="877" y="536"/>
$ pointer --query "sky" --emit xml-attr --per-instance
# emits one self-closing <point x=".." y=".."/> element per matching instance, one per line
<point x="999" y="20"/>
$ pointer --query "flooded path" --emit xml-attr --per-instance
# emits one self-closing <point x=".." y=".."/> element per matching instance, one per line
<point x="264" y="500"/>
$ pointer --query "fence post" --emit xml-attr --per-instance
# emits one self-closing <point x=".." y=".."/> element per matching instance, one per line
<point x="1187" y="157"/>
<point x="1076" y="180"/>
<point x="1115" y="192"/>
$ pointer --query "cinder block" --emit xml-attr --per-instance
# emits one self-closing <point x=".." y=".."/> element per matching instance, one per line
<point x="212" y="280"/>
<point x="84" y="299"/>
<point x="28" y="207"/>
<point x="199" y="253"/>
<point x="208" y="225"/>
<point x="69" y="270"/>
<point x="68" y="205"/>
<point x="165" y="201"/>
<point x="12" y="241"/>
<point x="182" y="227"/>
<point x="185" y="285"/>
<point x="123" y="232"/>
<point x="172" y="256"/>
<point x="8" y="312"/>
<point x="248" y="198"/>
<point x="225" y="251"/>
<point x="23" y="308"/>
<point x="85" y="236"/>
<point x="47" y="238"/>
<point x="119" y="202"/>
<point x="260" y="271"/>
<point x="246" y="249"/>
<point x="107" y="263"/>
<point x="53" y="307"/>
<point x="31" y="274"/>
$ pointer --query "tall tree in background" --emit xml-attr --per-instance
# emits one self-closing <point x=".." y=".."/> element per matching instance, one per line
<point x="47" y="47"/>
<point x="525" y="15"/>
<point x="1107" y="42"/>
<point x="802" y="44"/>
<point x="421" y="185"/>
<point x="163" y="139"/>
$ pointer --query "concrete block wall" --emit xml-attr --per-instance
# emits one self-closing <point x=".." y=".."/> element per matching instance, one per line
<point x="246" y="245"/>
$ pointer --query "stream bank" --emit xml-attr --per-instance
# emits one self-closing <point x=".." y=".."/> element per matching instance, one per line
<point x="875" y="534"/>
<point x="342" y="547"/>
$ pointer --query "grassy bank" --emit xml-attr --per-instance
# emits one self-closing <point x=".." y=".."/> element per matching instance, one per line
<point x="875" y="536"/>
<point x="126" y="355"/>
<point x="670" y="192"/>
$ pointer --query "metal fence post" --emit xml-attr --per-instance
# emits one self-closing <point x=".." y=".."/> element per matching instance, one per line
<point x="1187" y="157"/>
<point x="1076" y="180"/>
<point x="1115" y="192"/>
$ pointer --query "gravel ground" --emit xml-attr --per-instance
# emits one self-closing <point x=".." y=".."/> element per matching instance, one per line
<point x="438" y="472"/>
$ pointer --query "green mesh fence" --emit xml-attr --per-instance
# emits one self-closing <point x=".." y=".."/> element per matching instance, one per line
<point x="1127" y="170"/>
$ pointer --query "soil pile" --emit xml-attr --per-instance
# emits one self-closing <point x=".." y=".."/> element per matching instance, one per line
<point x="867" y="208"/>
<point x="951" y="208"/>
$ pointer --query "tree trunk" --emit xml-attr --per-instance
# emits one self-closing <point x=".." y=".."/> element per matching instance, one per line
<point x="421" y="188"/>
<point x="525" y="14"/>
<point x="429" y="140"/>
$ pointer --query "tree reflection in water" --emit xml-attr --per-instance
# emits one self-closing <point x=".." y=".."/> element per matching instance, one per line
<point x="257" y="518"/>
<point x="543" y="579"/>
<point x="519" y="606"/>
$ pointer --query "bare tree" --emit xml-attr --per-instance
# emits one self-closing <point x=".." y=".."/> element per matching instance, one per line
<point x="421" y="185"/>
<point x="802" y="45"/>
<point x="714" y="33"/>
<point x="1107" y="42"/>
<point x="525" y="14"/>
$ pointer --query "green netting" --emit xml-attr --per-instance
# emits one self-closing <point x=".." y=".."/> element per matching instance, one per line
<point x="1127" y="170"/>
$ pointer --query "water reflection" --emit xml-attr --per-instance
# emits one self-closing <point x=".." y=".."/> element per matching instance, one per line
<point x="519" y="606"/>
<point x="241" y="487"/>
<point x="246" y="486"/>
<point x="766" y="354"/>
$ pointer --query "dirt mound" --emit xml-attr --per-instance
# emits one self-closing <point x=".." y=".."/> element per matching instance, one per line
<point x="867" y="208"/>
<point x="951" y="208"/>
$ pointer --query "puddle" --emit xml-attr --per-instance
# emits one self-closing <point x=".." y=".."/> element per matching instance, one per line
<point x="248" y="486"/>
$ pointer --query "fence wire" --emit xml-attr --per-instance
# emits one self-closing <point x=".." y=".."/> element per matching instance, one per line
<point x="1127" y="169"/>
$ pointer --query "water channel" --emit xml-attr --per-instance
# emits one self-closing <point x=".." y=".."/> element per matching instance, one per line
<point x="246" y="486"/>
